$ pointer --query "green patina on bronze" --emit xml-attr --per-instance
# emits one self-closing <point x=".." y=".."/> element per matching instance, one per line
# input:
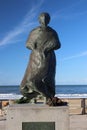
<point x="38" y="126"/>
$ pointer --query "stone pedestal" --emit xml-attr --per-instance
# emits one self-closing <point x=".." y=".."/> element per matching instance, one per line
<point x="37" y="117"/>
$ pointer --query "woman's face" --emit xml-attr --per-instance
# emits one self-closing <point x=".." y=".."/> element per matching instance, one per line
<point x="44" y="19"/>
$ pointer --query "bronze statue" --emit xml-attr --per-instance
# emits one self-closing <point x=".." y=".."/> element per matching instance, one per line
<point x="39" y="78"/>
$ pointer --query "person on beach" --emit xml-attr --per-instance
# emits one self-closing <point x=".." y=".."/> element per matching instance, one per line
<point x="39" y="78"/>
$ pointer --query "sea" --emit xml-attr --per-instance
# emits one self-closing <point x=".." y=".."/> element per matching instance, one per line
<point x="62" y="91"/>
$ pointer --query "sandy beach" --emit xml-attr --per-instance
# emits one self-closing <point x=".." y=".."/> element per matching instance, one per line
<point x="75" y="106"/>
<point x="77" y="120"/>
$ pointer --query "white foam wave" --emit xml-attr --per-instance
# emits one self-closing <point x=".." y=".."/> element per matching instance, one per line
<point x="9" y="96"/>
<point x="71" y="95"/>
<point x="16" y="96"/>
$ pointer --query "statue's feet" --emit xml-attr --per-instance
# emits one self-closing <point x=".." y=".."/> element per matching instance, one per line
<point x="22" y="100"/>
<point x="25" y="100"/>
<point x="56" y="102"/>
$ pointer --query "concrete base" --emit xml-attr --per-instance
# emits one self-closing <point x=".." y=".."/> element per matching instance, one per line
<point x="17" y="115"/>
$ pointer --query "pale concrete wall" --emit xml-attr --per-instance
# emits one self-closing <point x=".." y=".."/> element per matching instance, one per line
<point x="17" y="114"/>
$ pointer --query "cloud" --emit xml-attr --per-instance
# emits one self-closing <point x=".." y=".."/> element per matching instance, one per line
<point x="76" y="56"/>
<point x="27" y="23"/>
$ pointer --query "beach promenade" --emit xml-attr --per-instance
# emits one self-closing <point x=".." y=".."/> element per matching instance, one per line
<point x="77" y="122"/>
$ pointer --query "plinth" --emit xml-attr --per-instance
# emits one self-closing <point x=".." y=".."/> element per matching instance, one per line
<point x="37" y="117"/>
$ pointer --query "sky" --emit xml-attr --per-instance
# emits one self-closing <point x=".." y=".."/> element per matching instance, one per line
<point x="68" y="18"/>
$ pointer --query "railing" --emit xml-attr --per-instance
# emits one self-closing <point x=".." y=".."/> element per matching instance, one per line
<point x="82" y="103"/>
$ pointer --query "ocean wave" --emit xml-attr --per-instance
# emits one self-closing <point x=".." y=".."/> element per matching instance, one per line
<point x="71" y="95"/>
<point x="18" y="96"/>
<point x="9" y="96"/>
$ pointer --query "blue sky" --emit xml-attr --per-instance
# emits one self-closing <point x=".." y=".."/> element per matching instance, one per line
<point x="68" y="18"/>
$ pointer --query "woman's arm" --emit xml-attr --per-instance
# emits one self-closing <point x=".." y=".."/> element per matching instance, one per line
<point x="53" y="43"/>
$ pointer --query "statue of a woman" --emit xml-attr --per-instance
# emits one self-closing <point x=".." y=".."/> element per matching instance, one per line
<point x="39" y="78"/>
